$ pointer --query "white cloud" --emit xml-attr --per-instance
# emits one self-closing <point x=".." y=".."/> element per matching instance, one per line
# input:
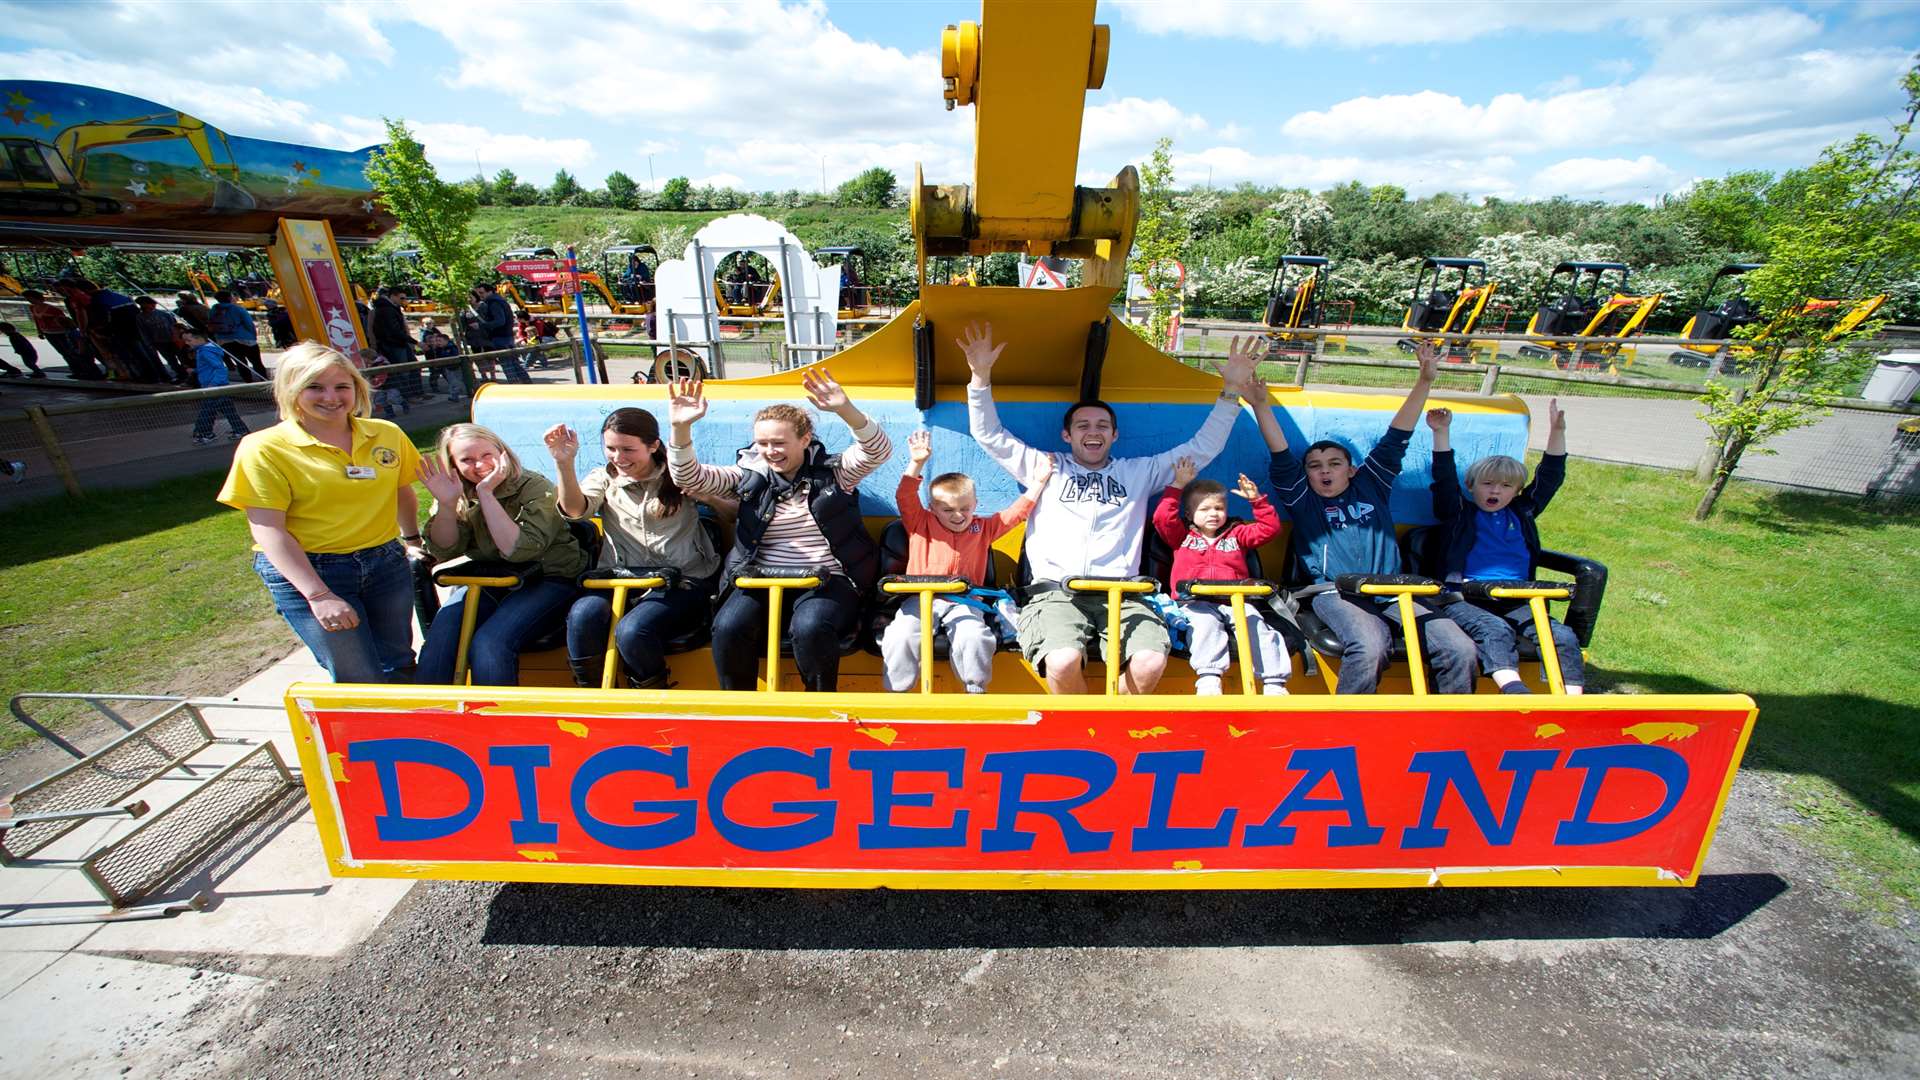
<point x="1363" y="23"/>
<point x="1131" y="121"/>
<point x="289" y="46"/>
<point x="1608" y="178"/>
<point x="719" y="180"/>
<point x="798" y="164"/>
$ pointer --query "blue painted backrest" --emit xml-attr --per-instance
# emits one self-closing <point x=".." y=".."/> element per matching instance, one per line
<point x="1145" y="429"/>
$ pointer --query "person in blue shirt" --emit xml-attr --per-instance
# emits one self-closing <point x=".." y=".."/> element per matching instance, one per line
<point x="1342" y="518"/>
<point x="233" y="328"/>
<point x="210" y="364"/>
<point x="1490" y="534"/>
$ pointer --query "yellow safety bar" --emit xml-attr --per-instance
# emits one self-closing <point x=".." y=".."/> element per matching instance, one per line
<point x="1403" y="596"/>
<point x="470" y="614"/>
<point x="776" y="592"/>
<point x="1238" y="594"/>
<point x="621" y="586"/>
<point x="1114" y="588"/>
<point x="1536" y="599"/>
<point x="925" y="590"/>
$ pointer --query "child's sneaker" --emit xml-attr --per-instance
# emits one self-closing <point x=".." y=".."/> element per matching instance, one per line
<point x="1274" y="689"/>
<point x="236" y="436"/>
<point x="203" y="440"/>
<point x="19" y="471"/>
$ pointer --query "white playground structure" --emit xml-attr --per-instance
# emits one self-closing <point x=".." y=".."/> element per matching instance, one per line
<point x="688" y="310"/>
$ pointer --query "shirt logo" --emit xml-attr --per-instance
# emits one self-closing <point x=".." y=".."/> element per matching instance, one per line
<point x="385" y="457"/>
<point x="1094" y="487"/>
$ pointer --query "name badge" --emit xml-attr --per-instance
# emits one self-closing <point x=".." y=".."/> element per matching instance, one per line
<point x="360" y="472"/>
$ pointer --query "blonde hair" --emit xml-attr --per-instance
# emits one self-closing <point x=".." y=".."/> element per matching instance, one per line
<point x="956" y="485"/>
<point x="301" y="366"/>
<point x="1499" y="469"/>
<point x="453" y="433"/>
<point x="792" y="415"/>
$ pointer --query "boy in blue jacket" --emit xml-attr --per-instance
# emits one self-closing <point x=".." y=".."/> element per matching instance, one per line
<point x="1342" y="519"/>
<point x="1490" y="534"/>
<point x="210" y="365"/>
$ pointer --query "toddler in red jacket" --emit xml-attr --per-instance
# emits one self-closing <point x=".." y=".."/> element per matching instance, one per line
<point x="1192" y="518"/>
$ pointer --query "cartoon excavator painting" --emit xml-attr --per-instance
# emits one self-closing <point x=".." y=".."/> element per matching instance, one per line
<point x="76" y="142"/>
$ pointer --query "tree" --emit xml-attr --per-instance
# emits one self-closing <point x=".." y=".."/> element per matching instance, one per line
<point x="621" y="189"/>
<point x="676" y="193"/>
<point x="510" y="190"/>
<point x="437" y="215"/>
<point x="871" y="188"/>
<point x="1854" y="231"/>
<point x="1157" y="241"/>
<point x="563" y="190"/>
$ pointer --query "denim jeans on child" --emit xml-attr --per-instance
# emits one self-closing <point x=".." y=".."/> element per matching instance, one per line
<point x="378" y="584"/>
<point x="1365" y="631"/>
<point x="509" y="619"/>
<point x="214" y="407"/>
<point x="1498" y="631"/>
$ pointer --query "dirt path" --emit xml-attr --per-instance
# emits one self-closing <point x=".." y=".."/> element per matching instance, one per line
<point x="1763" y="970"/>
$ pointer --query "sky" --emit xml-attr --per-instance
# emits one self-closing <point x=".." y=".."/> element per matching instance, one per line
<point x="1623" y="101"/>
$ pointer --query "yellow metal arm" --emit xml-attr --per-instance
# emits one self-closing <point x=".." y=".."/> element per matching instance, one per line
<point x="470" y="611"/>
<point x="1403" y="596"/>
<point x="1115" y="588"/>
<point x="1536" y="599"/>
<point x="1237" y="593"/>
<point x="926" y="590"/>
<point x="776" y="595"/>
<point x="621" y="586"/>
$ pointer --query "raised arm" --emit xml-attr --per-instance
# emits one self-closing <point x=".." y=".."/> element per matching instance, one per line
<point x="1552" y="470"/>
<point x="871" y="446"/>
<point x="1447" y="498"/>
<point x="564" y="444"/>
<point x="1243" y="358"/>
<point x="983" y="418"/>
<point x="1266" y="521"/>
<point x="1409" y="415"/>
<point x="684" y="409"/>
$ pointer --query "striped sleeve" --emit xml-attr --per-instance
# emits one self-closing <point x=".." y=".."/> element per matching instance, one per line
<point x="698" y="480"/>
<point x="870" y="447"/>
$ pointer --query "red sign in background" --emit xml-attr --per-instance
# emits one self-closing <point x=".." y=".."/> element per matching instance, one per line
<point x="331" y="300"/>
<point x="1073" y="792"/>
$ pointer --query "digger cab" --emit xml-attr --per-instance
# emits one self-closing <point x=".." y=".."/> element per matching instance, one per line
<point x="1449" y="296"/>
<point x="1713" y="321"/>
<point x="856" y="296"/>
<point x="1577" y="305"/>
<point x="628" y="271"/>
<point x="523" y="292"/>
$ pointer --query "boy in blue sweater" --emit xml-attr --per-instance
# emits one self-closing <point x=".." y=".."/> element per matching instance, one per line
<point x="210" y="365"/>
<point x="1342" y="519"/>
<point x="1492" y="536"/>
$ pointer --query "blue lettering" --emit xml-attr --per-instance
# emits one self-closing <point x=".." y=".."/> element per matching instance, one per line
<point x="816" y="766"/>
<point x="1166" y="767"/>
<point x="887" y="764"/>
<point x="386" y="756"/>
<point x="1450" y="768"/>
<point x="1339" y="762"/>
<point x="1661" y="761"/>
<point x="523" y="760"/>
<point x="1090" y="767"/>
<point x="618" y="759"/>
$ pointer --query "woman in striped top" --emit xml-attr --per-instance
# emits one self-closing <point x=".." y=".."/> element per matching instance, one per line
<point x="799" y="509"/>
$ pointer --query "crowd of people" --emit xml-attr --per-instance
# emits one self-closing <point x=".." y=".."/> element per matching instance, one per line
<point x="329" y="495"/>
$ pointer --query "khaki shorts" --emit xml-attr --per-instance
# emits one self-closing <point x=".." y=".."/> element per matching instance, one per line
<point x="1059" y="619"/>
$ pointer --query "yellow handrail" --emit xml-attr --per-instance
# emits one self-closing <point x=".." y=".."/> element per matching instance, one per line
<point x="1114" y="590"/>
<point x="620" y="586"/>
<point x="925" y="589"/>
<point x="1536" y="599"/>
<point x="1238" y="595"/>
<point x="1403" y="596"/>
<point x="470" y="614"/>
<point x="776" y="593"/>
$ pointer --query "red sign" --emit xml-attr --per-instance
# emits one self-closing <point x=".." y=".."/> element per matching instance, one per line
<point x="536" y="270"/>
<point x="1575" y="793"/>
<point x="331" y="302"/>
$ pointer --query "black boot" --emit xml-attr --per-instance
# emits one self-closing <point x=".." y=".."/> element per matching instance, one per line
<point x="652" y="682"/>
<point x="586" y="673"/>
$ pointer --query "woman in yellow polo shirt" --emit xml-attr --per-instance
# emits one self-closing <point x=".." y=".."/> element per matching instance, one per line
<point x="328" y="494"/>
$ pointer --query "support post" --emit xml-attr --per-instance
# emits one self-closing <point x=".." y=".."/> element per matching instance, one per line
<point x="56" y="456"/>
<point x="1490" y="380"/>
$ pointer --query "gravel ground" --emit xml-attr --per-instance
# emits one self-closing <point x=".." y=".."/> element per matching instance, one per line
<point x="1762" y="970"/>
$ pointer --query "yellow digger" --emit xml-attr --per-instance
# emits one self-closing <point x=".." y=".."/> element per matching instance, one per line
<point x="1574" y="312"/>
<point x="76" y="142"/>
<point x="1438" y="306"/>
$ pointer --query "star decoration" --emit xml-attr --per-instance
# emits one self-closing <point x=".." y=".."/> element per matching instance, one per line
<point x="45" y="120"/>
<point x="15" y="114"/>
<point x="138" y="187"/>
<point x="366" y="205"/>
<point x="15" y="97"/>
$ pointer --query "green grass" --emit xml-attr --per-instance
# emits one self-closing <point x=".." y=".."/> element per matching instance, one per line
<point x="562" y="225"/>
<point x="1803" y="602"/>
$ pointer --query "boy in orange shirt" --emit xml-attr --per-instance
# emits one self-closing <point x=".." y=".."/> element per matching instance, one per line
<point x="946" y="540"/>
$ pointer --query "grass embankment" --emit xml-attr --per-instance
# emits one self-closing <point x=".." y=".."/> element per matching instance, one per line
<point x="496" y="226"/>
<point x="1802" y="602"/>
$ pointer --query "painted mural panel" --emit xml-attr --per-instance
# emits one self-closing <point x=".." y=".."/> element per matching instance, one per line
<point x="79" y="162"/>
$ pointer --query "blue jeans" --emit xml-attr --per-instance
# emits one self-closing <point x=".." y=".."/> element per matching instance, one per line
<point x="815" y="621"/>
<point x="509" y="619"/>
<point x="1366" y="644"/>
<point x="509" y="364"/>
<point x="378" y="584"/>
<point x="652" y="619"/>
<point x="215" y="407"/>
<point x="1498" y="631"/>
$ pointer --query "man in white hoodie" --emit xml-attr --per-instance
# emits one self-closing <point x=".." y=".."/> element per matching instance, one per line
<point x="1090" y="522"/>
